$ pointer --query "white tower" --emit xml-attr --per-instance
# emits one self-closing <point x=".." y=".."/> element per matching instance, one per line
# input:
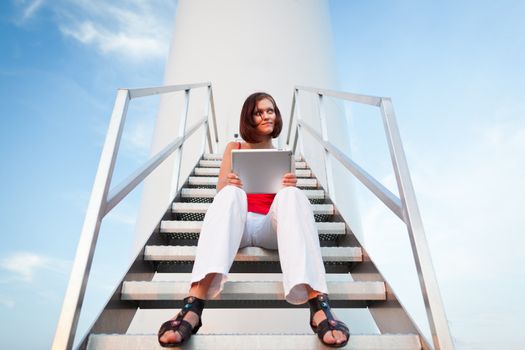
<point x="240" y="47"/>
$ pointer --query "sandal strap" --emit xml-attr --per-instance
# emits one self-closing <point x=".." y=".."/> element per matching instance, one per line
<point x="192" y="304"/>
<point x="321" y="302"/>
<point x="326" y="326"/>
<point x="184" y="328"/>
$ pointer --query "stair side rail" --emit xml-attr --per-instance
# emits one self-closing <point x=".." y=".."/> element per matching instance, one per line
<point x="405" y="207"/>
<point x="103" y="199"/>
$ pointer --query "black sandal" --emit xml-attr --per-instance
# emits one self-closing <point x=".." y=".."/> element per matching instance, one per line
<point x="184" y="328"/>
<point x="320" y="302"/>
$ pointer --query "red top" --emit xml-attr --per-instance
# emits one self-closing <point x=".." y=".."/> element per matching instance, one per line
<point x="259" y="203"/>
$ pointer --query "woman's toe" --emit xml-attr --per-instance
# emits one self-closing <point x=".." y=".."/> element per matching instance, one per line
<point x="329" y="338"/>
<point x="339" y="336"/>
<point x="170" y="337"/>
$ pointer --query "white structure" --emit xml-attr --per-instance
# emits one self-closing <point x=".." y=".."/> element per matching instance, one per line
<point x="241" y="47"/>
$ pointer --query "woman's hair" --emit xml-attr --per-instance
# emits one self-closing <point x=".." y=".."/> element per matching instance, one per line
<point x="248" y="127"/>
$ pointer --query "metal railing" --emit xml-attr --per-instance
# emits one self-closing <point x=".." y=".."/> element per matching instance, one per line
<point x="103" y="200"/>
<point x="405" y="207"/>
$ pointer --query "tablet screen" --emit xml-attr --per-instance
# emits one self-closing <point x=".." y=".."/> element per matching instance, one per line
<point x="261" y="171"/>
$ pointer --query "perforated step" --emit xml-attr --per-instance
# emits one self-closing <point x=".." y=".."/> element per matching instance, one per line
<point x="255" y="341"/>
<point x="248" y="254"/>
<point x="212" y="181"/>
<point x="217" y="163"/>
<point x="211" y="192"/>
<point x="249" y="291"/>
<point x="167" y="226"/>
<point x="202" y="208"/>
<point x="300" y="173"/>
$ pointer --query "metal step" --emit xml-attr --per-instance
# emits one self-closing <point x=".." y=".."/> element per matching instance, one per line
<point x="252" y="254"/>
<point x="215" y="172"/>
<point x="202" y="208"/>
<point x="255" y="341"/>
<point x="174" y="226"/>
<point x="212" y="181"/>
<point x="248" y="291"/>
<point x="217" y="164"/>
<point x="218" y="156"/>
<point x="211" y="192"/>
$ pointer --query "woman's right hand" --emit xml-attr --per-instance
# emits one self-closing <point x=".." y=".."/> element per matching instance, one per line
<point x="233" y="179"/>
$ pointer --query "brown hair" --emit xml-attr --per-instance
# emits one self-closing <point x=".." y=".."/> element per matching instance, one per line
<point x="247" y="125"/>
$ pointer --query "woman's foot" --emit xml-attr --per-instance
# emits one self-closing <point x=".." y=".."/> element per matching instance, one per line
<point x="331" y="331"/>
<point x="330" y="337"/>
<point x="171" y="336"/>
<point x="186" y="323"/>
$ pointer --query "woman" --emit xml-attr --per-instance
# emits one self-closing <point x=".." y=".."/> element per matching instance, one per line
<point x="283" y="220"/>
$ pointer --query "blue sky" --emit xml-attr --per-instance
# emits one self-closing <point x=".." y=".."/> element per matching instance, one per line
<point x="453" y="69"/>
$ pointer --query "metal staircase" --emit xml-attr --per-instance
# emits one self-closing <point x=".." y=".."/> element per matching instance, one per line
<point x="353" y="279"/>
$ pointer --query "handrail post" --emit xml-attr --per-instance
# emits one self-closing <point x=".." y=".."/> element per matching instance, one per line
<point x="214" y="118"/>
<point x="327" y="158"/>
<point x="298" y="124"/>
<point x="207" y="133"/>
<point x="70" y="313"/>
<point x="427" y="278"/>
<point x="292" y="112"/>
<point x="182" y="131"/>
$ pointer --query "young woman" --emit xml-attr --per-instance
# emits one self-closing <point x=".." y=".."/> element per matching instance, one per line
<point x="282" y="221"/>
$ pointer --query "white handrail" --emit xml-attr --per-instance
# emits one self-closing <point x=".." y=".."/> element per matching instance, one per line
<point x="405" y="208"/>
<point x="381" y="192"/>
<point x="99" y="204"/>
<point x="120" y="191"/>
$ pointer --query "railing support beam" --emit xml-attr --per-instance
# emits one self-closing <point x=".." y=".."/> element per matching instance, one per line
<point x="423" y="261"/>
<point x="328" y="169"/>
<point x="404" y="207"/>
<point x="69" y="315"/>
<point x="178" y="154"/>
<point x="99" y="205"/>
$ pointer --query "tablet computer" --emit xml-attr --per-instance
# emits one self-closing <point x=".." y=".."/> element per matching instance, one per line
<point x="262" y="170"/>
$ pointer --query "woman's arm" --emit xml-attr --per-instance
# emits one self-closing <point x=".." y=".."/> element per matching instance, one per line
<point x="226" y="177"/>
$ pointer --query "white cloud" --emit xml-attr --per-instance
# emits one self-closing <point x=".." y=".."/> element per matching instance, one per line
<point x="132" y="30"/>
<point x="28" y="9"/>
<point x="135" y="30"/>
<point x="24" y="265"/>
<point x="32" y="8"/>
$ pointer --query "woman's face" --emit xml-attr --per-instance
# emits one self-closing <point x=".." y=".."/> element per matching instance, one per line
<point x="264" y="116"/>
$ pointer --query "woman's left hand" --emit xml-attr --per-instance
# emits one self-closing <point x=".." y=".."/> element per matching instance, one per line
<point x="289" y="179"/>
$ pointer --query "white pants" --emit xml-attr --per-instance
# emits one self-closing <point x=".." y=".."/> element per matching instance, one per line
<point x="289" y="227"/>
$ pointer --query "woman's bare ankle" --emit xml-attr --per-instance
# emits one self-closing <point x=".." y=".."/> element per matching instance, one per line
<point x="200" y="288"/>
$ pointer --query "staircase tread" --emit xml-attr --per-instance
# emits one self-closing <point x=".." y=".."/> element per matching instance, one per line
<point x="178" y="226"/>
<point x="182" y="207"/>
<point x="187" y="253"/>
<point x="211" y="192"/>
<point x="300" y="173"/>
<point x="256" y="341"/>
<point x="212" y="181"/>
<point x="217" y="163"/>
<point x="249" y="290"/>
